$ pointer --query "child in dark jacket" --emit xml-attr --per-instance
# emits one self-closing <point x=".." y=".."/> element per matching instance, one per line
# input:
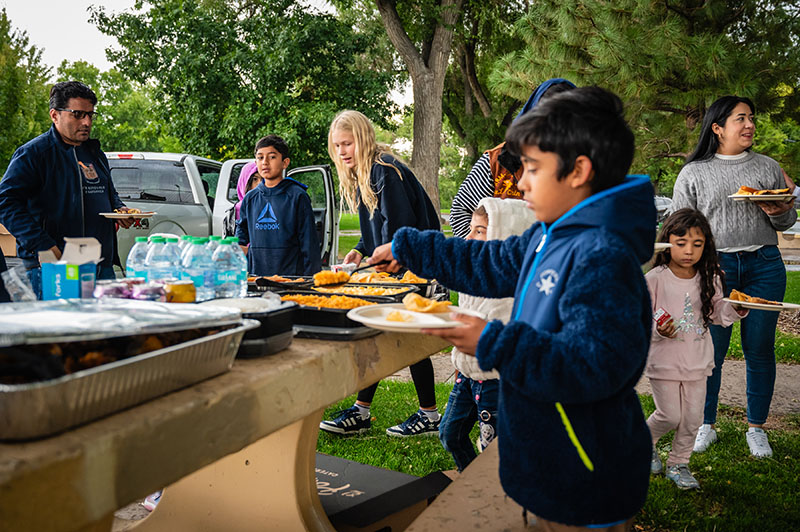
<point x="574" y="446"/>
<point x="276" y="218"/>
<point x="387" y="196"/>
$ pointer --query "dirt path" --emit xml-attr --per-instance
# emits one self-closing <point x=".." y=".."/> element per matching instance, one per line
<point x="786" y="399"/>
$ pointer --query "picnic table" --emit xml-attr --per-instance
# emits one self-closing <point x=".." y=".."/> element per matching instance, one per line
<point x="236" y="452"/>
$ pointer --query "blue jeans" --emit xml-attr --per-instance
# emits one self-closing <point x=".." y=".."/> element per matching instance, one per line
<point x="470" y="401"/>
<point x="35" y="277"/>
<point x="759" y="273"/>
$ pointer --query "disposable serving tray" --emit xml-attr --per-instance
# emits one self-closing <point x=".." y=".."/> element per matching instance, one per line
<point x="43" y="408"/>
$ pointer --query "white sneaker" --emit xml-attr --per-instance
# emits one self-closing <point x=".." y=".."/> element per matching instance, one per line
<point x="757" y="440"/>
<point x="706" y="435"/>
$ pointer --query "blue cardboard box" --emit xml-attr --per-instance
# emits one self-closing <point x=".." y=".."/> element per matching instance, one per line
<point x="73" y="276"/>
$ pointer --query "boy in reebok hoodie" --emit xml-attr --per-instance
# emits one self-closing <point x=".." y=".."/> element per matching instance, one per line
<point x="574" y="447"/>
<point x="277" y="221"/>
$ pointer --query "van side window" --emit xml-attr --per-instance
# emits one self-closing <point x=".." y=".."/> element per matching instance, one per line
<point x="151" y="181"/>
<point x="210" y="175"/>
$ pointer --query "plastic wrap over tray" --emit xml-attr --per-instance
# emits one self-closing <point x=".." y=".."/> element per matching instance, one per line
<point x="66" y="320"/>
<point x="44" y="408"/>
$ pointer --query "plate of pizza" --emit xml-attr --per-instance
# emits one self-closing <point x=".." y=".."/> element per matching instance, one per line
<point x="132" y="213"/>
<point x="758" y="303"/>
<point x="412" y="315"/>
<point x="755" y="194"/>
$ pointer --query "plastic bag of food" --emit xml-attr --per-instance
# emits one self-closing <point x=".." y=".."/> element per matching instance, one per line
<point x="18" y="285"/>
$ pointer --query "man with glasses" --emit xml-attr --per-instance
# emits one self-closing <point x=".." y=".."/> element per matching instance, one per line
<point x="57" y="183"/>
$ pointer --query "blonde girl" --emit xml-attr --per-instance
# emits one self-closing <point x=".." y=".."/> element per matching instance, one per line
<point x="387" y="196"/>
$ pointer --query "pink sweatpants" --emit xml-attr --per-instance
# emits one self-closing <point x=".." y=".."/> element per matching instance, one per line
<point x="679" y="406"/>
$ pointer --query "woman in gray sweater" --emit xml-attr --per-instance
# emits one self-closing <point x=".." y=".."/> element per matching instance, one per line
<point x="745" y="233"/>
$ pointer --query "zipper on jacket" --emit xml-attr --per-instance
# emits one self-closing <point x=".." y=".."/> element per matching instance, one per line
<point x="80" y="188"/>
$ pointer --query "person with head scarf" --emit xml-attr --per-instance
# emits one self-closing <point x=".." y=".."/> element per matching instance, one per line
<point x="248" y="179"/>
<point x="496" y="172"/>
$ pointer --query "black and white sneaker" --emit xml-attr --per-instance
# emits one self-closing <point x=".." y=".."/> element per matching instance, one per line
<point x="416" y="425"/>
<point x="347" y="422"/>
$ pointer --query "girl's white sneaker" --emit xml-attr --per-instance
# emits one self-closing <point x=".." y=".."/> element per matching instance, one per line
<point x="706" y="435"/>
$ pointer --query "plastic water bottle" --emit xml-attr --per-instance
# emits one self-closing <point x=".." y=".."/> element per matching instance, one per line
<point x="173" y="249"/>
<point x="199" y="268"/>
<point x="185" y="242"/>
<point x="134" y="266"/>
<point x="160" y="263"/>
<point x="213" y="243"/>
<point x="226" y="266"/>
<point x="242" y="265"/>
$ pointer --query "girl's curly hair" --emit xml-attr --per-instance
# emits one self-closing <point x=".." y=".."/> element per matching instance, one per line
<point x="678" y="224"/>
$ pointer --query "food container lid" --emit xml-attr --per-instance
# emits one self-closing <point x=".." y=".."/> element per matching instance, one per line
<point x="66" y="320"/>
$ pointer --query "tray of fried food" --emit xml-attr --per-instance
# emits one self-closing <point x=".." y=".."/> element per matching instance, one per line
<point x="755" y="194"/>
<point x="743" y="300"/>
<point x="261" y="283"/>
<point x="424" y="286"/>
<point x="393" y="291"/>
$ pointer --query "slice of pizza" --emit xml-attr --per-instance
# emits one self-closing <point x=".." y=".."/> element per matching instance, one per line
<point x="741" y="296"/>
<point x="417" y="303"/>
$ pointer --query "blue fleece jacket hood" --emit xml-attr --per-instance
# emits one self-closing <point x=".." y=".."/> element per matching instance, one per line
<point x="536" y="95"/>
<point x="627" y="210"/>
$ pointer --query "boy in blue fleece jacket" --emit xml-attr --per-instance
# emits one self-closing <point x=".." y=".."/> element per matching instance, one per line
<point x="276" y="218"/>
<point x="574" y="446"/>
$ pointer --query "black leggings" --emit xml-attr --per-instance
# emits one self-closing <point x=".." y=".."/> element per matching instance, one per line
<point x="421" y="374"/>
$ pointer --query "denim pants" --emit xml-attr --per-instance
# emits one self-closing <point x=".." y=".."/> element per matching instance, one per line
<point x="758" y="273"/>
<point x="470" y="401"/>
<point x="35" y="277"/>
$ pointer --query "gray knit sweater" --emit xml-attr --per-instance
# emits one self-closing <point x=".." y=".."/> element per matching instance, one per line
<point x="706" y="185"/>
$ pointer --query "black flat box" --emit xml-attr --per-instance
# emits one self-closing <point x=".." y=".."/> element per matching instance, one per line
<point x="363" y="498"/>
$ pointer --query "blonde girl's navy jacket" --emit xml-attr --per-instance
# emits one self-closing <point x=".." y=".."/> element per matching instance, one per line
<point x="574" y="447"/>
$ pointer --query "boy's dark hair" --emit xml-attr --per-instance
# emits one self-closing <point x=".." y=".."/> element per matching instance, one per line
<point x="678" y="224"/>
<point x="583" y="121"/>
<point x="60" y="93"/>
<point x="276" y="142"/>
<point x="718" y="114"/>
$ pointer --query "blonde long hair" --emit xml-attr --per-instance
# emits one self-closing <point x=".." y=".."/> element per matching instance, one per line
<point x="367" y="152"/>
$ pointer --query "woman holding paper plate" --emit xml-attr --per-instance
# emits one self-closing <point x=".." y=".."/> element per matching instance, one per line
<point x="745" y="233"/>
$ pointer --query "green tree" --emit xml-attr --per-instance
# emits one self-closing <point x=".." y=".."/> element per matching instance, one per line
<point x="667" y="60"/>
<point x="127" y="119"/>
<point x="23" y="90"/>
<point x="476" y="114"/>
<point x="225" y="73"/>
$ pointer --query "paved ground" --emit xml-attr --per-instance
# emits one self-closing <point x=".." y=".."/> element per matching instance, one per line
<point x="786" y="399"/>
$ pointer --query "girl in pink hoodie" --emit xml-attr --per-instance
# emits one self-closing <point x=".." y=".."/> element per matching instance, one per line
<point x="686" y="293"/>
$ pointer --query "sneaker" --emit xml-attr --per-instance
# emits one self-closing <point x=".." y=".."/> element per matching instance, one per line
<point x="655" y="464"/>
<point x="757" y="440"/>
<point x="682" y="477"/>
<point x="347" y="422"/>
<point x="706" y="435"/>
<point x="151" y="501"/>
<point x="417" y="424"/>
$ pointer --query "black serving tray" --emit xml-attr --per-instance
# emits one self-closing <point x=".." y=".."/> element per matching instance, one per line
<point x="273" y="322"/>
<point x="262" y="284"/>
<point x="270" y="345"/>
<point x="329" y="317"/>
<point x="316" y="332"/>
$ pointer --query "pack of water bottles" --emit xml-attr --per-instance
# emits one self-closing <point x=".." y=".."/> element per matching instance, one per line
<point x="216" y="267"/>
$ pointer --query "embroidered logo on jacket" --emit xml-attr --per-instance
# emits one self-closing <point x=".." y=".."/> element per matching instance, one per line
<point x="547" y="281"/>
<point x="266" y="220"/>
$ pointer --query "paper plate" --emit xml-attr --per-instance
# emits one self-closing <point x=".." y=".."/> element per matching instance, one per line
<point x="375" y="316"/>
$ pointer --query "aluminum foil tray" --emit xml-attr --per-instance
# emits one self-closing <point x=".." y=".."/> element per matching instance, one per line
<point x="44" y="408"/>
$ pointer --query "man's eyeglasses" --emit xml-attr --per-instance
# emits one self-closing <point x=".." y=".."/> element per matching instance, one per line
<point x="79" y="115"/>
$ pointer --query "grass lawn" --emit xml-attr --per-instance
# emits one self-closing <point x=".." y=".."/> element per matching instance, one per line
<point x="738" y="493"/>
